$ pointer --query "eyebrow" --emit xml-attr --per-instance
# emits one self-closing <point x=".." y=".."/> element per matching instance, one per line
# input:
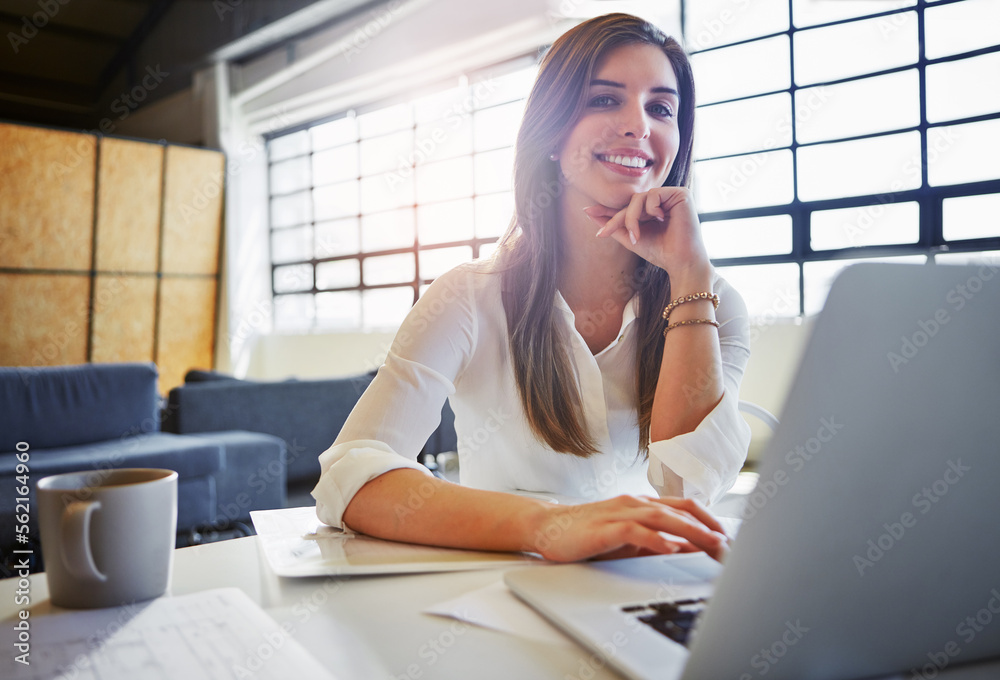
<point x="657" y="90"/>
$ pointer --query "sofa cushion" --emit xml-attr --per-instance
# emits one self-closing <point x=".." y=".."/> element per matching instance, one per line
<point x="59" y="406"/>
<point x="306" y="414"/>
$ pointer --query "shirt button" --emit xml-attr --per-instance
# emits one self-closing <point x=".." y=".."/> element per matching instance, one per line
<point x="621" y="337"/>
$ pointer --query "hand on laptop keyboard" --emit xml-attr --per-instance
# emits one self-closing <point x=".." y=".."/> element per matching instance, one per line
<point x="626" y="526"/>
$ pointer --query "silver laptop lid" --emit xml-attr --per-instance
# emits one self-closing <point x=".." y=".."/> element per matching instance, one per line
<point x="871" y="543"/>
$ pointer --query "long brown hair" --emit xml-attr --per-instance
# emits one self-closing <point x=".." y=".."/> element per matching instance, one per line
<point x="530" y="250"/>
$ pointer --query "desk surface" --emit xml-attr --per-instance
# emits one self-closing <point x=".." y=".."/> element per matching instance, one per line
<point x="372" y="627"/>
<point x="360" y="627"/>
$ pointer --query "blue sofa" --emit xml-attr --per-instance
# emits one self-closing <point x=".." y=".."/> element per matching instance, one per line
<point x="306" y="414"/>
<point x="98" y="416"/>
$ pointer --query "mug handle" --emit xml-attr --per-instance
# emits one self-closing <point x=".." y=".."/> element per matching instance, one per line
<point x="75" y="529"/>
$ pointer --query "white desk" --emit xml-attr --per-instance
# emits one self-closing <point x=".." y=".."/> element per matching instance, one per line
<point x="363" y="628"/>
<point x="371" y="628"/>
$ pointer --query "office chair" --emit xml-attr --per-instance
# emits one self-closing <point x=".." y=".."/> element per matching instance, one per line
<point x="760" y="413"/>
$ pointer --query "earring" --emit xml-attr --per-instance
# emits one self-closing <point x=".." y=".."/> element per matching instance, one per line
<point x="553" y="157"/>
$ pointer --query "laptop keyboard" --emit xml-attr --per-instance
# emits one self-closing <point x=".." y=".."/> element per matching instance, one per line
<point x="674" y="619"/>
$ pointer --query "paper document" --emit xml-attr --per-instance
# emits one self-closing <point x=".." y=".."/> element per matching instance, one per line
<point x="213" y="635"/>
<point x="496" y="607"/>
<point x="296" y="543"/>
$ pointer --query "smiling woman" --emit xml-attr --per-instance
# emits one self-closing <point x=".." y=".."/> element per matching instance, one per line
<point x="597" y="353"/>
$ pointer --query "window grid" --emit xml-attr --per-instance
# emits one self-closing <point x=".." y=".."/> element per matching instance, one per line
<point x="413" y="166"/>
<point x="929" y="198"/>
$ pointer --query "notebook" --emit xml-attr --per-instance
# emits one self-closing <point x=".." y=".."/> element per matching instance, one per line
<point x="869" y="545"/>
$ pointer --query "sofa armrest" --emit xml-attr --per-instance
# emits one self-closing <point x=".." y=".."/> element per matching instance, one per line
<point x="198" y="461"/>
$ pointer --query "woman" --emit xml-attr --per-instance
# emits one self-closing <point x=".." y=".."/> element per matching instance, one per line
<point x="564" y="376"/>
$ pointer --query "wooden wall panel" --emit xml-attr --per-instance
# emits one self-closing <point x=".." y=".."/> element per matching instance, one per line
<point x="46" y="198"/>
<point x="44" y="319"/>
<point x="124" y="318"/>
<point x="128" y="205"/>
<point x="187" y="328"/>
<point x="148" y="292"/>
<point x="192" y="210"/>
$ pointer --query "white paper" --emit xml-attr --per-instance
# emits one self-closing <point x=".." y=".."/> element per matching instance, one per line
<point x="213" y="635"/>
<point x="496" y="607"/>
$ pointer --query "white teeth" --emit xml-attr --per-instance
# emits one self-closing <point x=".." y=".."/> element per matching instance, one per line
<point x="626" y="161"/>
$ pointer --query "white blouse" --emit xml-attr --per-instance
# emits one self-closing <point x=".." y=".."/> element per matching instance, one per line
<point x="453" y="344"/>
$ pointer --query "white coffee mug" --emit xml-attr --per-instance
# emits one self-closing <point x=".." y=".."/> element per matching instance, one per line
<point x="108" y="535"/>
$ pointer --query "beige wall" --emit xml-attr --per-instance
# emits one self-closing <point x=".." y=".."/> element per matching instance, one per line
<point x="315" y="355"/>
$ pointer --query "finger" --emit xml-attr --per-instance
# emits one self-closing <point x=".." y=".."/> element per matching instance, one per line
<point x="598" y="210"/>
<point x="641" y="538"/>
<point x="599" y="215"/>
<point x="662" y="518"/>
<point x="718" y="553"/>
<point x="600" y="221"/>
<point x="615" y="223"/>
<point x="695" y="509"/>
<point x="633" y="213"/>
<point x="653" y="207"/>
<point x="623" y="237"/>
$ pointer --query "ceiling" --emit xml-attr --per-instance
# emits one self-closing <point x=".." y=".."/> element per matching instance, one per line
<point x="68" y="62"/>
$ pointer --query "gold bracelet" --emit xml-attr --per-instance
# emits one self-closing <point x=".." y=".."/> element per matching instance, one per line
<point x="689" y="298"/>
<point x="689" y="322"/>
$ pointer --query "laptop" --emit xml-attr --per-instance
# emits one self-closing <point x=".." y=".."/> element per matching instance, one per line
<point x="869" y="546"/>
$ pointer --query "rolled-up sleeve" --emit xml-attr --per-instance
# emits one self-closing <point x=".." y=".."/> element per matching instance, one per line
<point x="401" y="408"/>
<point x="703" y="464"/>
<point x="348" y="466"/>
